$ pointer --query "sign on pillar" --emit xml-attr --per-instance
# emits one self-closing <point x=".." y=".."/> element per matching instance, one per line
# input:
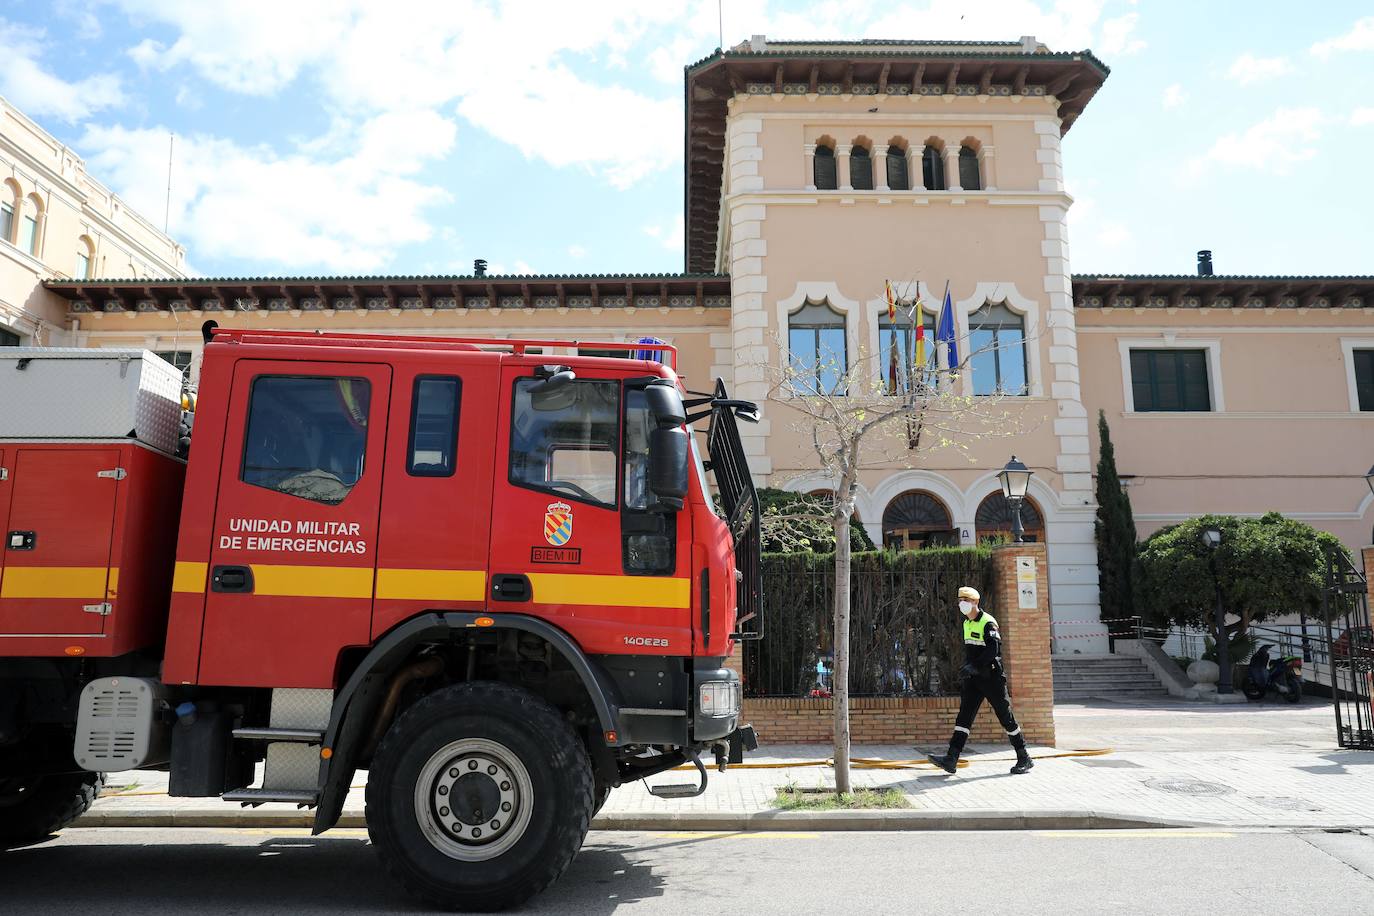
<point x="1027" y="592"/>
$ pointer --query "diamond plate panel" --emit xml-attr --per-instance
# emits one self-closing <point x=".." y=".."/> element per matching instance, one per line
<point x="74" y="393"/>
<point x="301" y="708"/>
<point x="292" y="766"/>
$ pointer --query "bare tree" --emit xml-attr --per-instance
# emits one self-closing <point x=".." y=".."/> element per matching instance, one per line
<point x="871" y="415"/>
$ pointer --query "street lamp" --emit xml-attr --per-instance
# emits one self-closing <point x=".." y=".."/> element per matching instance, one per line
<point x="1015" y="480"/>
<point x="1211" y="539"/>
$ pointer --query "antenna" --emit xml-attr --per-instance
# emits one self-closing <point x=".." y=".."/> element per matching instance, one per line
<point x="720" y="22"/>
<point x="167" y="209"/>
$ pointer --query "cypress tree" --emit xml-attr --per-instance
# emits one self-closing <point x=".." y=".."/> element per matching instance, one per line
<point x="1115" y="530"/>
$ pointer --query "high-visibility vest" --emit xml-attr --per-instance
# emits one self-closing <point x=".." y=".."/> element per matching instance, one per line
<point x="975" y="630"/>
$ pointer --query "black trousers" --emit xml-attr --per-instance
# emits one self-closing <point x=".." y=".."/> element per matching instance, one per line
<point x="975" y="690"/>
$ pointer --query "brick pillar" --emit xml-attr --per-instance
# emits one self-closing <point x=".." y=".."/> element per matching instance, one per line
<point x="1368" y="554"/>
<point x="1026" y="636"/>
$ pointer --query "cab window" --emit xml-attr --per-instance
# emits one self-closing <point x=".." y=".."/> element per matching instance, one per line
<point x="565" y="440"/>
<point x="649" y="534"/>
<point x="306" y="436"/>
<point x="434" y="426"/>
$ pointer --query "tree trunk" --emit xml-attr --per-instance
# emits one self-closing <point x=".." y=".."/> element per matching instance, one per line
<point x="843" y="510"/>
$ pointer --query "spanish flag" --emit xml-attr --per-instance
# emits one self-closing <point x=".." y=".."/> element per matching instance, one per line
<point x="891" y="303"/>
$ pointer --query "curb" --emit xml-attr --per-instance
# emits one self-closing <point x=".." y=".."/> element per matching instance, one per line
<point x="706" y="820"/>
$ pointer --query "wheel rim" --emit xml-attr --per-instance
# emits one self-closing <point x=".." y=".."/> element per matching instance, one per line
<point x="474" y="799"/>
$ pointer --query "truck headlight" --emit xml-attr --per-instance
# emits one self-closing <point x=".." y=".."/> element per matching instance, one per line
<point x="719" y="698"/>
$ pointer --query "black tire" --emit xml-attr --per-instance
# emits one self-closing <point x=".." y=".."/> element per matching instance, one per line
<point x="499" y="749"/>
<point x="602" y="792"/>
<point x="1253" y="692"/>
<point x="34" y="809"/>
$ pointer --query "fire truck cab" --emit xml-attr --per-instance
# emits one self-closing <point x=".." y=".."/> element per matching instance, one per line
<point x="491" y="573"/>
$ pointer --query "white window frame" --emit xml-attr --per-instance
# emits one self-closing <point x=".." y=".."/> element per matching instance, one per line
<point x="1001" y="292"/>
<point x="1348" y="347"/>
<point x="819" y="291"/>
<point x="1170" y="342"/>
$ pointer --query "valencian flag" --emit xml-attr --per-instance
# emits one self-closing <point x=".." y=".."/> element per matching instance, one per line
<point x="944" y="331"/>
<point x="919" y="321"/>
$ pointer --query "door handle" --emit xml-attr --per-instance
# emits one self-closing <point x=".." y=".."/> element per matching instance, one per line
<point x="511" y="587"/>
<point x="231" y="579"/>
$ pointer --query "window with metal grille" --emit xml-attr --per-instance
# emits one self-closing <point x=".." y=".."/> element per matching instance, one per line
<point x="1364" y="378"/>
<point x="970" y="179"/>
<point x="861" y="169"/>
<point x="897" y="343"/>
<point x="824" y="168"/>
<point x="1170" y="380"/>
<point x="897" y="177"/>
<point x="8" y="338"/>
<point x="179" y="358"/>
<point x="995" y="520"/>
<point x="997" y="351"/>
<point x="933" y="168"/>
<point x="816" y="340"/>
<point x="917" y="519"/>
<point x="434" y="426"/>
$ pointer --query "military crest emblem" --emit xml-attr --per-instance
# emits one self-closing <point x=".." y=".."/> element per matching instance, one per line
<point x="558" y="524"/>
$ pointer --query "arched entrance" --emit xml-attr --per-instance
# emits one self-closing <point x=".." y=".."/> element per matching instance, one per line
<point x="993" y="520"/>
<point x="917" y="519"/>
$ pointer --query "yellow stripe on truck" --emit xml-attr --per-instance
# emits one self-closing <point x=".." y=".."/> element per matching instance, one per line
<point x="312" y="581"/>
<point x="610" y="591"/>
<point x="57" y="581"/>
<point x="431" y="584"/>
<point x="190" y="577"/>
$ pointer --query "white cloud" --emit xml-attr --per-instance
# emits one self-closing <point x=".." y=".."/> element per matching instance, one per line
<point x="1248" y="69"/>
<point x="1091" y="231"/>
<point x="669" y="234"/>
<point x="1116" y="38"/>
<point x="1359" y="38"/>
<point x="576" y="251"/>
<point x="1174" y="96"/>
<point x="349" y="213"/>
<point x="1362" y="117"/>
<point x="41" y="93"/>
<point x="1288" y="137"/>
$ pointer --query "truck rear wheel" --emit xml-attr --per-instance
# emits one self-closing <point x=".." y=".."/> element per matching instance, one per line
<point x="33" y="808"/>
<point x="478" y="797"/>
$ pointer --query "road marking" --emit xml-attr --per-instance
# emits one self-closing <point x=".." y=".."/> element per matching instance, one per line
<point x="739" y="835"/>
<point x="1131" y="834"/>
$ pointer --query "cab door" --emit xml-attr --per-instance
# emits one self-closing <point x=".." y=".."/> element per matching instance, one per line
<point x="293" y="555"/>
<point x="573" y="540"/>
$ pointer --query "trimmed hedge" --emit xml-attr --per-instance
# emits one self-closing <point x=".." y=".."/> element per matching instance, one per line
<point x="905" y="638"/>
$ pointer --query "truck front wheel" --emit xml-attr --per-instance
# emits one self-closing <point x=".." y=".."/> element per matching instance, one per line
<point x="33" y="808"/>
<point x="479" y="796"/>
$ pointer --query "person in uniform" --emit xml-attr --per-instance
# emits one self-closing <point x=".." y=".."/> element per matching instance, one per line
<point x="983" y="679"/>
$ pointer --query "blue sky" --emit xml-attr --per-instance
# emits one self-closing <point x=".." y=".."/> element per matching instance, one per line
<point x="411" y="136"/>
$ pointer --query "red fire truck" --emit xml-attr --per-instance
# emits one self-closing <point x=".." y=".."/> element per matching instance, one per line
<point x="492" y="575"/>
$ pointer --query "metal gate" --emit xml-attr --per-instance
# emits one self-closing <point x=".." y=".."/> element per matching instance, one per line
<point x="1350" y="645"/>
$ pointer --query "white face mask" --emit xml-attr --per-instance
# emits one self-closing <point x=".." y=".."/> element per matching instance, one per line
<point x="965" y="607"/>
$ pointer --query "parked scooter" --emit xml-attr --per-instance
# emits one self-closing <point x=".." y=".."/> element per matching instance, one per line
<point x="1283" y="675"/>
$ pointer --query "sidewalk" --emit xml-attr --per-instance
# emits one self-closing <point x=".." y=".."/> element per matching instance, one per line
<point x="1169" y="765"/>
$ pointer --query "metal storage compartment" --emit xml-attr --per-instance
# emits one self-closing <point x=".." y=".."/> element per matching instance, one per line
<point x="57" y="393"/>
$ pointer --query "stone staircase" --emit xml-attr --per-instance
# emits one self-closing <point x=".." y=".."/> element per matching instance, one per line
<point x="1084" y="677"/>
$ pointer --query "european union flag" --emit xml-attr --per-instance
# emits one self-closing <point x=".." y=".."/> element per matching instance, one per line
<point x="945" y="332"/>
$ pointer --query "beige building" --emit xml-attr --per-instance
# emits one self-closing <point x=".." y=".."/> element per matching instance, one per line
<point x="59" y="223"/>
<point x="815" y="172"/>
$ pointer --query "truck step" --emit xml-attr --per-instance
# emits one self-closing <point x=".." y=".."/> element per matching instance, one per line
<point x="682" y="790"/>
<point x="303" y="797"/>
<point x="301" y="735"/>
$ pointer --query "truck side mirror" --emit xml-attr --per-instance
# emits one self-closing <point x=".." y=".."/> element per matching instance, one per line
<point x="668" y="465"/>
<point x="665" y="405"/>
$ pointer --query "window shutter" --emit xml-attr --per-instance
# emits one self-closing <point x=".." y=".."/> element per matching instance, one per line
<point x="861" y="169"/>
<point x="897" y="178"/>
<point x="933" y="169"/>
<point x="825" y="169"/>
<point x="969" y="177"/>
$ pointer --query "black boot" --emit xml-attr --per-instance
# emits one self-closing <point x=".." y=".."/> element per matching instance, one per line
<point x="1023" y="762"/>
<point x="949" y="761"/>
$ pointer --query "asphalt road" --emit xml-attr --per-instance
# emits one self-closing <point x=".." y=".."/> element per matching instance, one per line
<point x="259" y="872"/>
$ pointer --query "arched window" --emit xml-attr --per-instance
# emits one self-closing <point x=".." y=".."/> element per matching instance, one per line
<point x="917" y="519"/>
<point x="933" y="168"/>
<point x="825" y="174"/>
<point x="9" y="205"/>
<point x="997" y="351"/>
<point x="85" y="251"/>
<point x="816" y="341"/>
<point x="861" y="169"/>
<point x="970" y="179"/>
<point x="28" y="225"/>
<point x="994" y="520"/>
<point x="897" y="177"/>
<point x="897" y="343"/>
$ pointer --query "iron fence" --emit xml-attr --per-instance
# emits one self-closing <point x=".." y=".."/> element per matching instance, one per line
<point x="1345" y="603"/>
<point x="905" y="636"/>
